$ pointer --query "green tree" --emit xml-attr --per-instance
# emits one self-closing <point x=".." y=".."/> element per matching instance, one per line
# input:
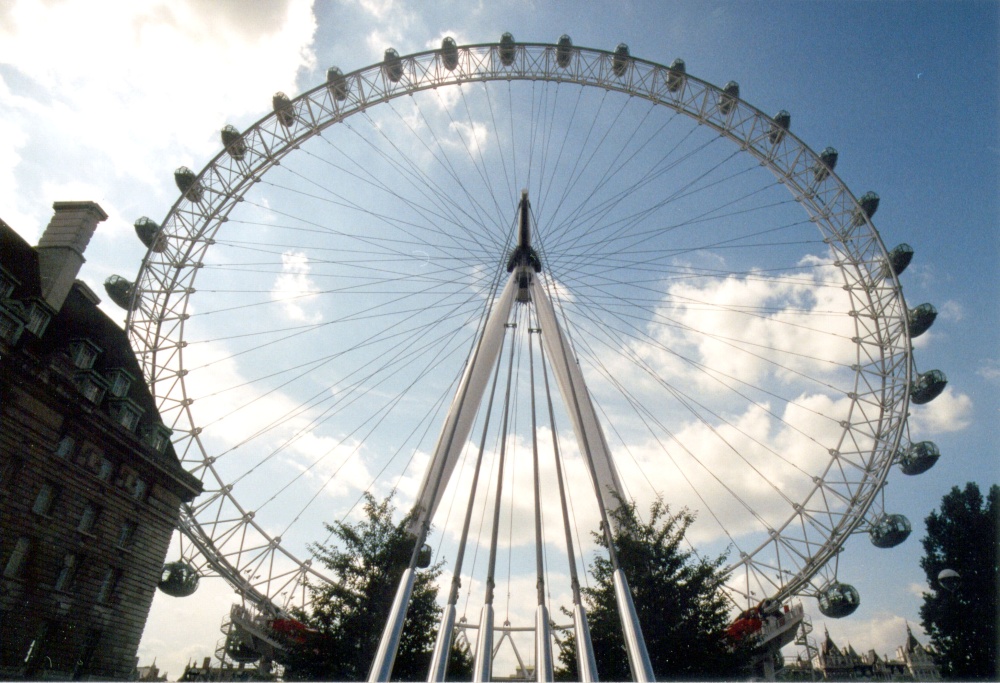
<point x="678" y="598"/>
<point x="348" y="614"/>
<point x="961" y="619"/>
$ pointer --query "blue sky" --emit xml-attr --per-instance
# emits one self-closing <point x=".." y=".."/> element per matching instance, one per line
<point x="103" y="103"/>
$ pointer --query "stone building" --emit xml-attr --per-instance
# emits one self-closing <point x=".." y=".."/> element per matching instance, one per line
<point x="913" y="662"/>
<point x="90" y="487"/>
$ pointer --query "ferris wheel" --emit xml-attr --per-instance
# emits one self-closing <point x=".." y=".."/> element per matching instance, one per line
<point x="369" y="290"/>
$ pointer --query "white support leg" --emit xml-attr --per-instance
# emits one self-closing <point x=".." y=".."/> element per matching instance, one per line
<point x="579" y="406"/>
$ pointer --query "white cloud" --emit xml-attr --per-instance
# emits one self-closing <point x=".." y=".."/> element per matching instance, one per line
<point x="949" y="412"/>
<point x="951" y="311"/>
<point x="294" y="289"/>
<point x="174" y="72"/>
<point x="989" y="369"/>
<point x="469" y="136"/>
<point x="379" y="9"/>
<point x="882" y="632"/>
<point x="12" y="140"/>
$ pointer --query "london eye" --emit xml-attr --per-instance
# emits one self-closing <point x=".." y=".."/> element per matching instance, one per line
<point x="515" y="285"/>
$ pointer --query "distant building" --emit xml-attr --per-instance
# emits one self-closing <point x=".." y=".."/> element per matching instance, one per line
<point x="913" y="662"/>
<point x="149" y="674"/>
<point x="225" y="671"/>
<point x="919" y="659"/>
<point x="90" y="487"/>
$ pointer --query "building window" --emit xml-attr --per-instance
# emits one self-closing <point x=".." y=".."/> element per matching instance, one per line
<point x="64" y="448"/>
<point x="108" y="585"/>
<point x="139" y="489"/>
<point x="157" y="436"/>
<point x="65" y="578"/>
<point x="105" y="468"/>
<point x="126" y="413"/>
<point x="125" y="534"/>
<point x="38" y="319"/>
<point x="84" y="353"/>
<point x="130" y="481"/>
<point x="18" y="558"/>
<point x="91" y="385"/>
<point x="88" y="518"/>
<point x="128" y="418"/>
<point x="45" y="500"/>
<point x="120" y="382"/>
<point x="7" y="283"/>
<point x="10" y="326"/>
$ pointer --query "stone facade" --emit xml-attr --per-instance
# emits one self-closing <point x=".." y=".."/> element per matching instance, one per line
<point x="90" y="487"/>
<point x="913" y="662"/>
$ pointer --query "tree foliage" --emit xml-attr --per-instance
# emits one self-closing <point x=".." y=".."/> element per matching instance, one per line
<point x="961" y="620"/>
<point x="348" y="614"/>
<point x="678" y="598"/>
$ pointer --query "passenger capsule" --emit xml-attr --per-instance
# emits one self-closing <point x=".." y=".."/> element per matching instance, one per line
<point x="889" y="531"/>
<point x="867" y="206"/>
<point x="564" y="51"/>
<point x="178" y="579"/>
<point x="283" y="109"/>
<point x="392" y="66"/>
<point x="677" y="75"/>
<point x="827" y="162"/>
<point x="779" y="126"/>
<point x="920" y="319"/>
<point x="120" y="291"/>
<point x="728" y="97"/>
<point x="919" y="457"/>
<point x="927" y="386"/>
<point x="337" y="84"/>
<point x="149" y="234"/>
<point x="507" y="49"/>
<point x="838" y="600"/>
<point x="619" y="63"/>
<point x="188" y="184"/>
<point x="240" y="648"/>
<point x="233" y="141"/>
<point x="899" y="259"/>
<point x="449" y="53"/>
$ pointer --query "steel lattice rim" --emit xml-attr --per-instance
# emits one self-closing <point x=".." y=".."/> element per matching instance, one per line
<point x="883" y="372"/>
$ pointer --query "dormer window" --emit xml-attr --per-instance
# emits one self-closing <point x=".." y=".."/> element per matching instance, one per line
<point x="10" y="325"/>
<point x="120" y="382"/>
<point x="157" y="437"/>
<point x="7" y="283"/>
<point x="91" y="385"/>
<point x="38" y="318"/>
<point x="84" y="353"/>
<point x="126" y="412"/>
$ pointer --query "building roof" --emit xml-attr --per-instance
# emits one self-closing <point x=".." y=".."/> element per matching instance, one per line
<point x="828" y="645"/>
<point x="81" y="318"/>
<point x="20" y="260"/>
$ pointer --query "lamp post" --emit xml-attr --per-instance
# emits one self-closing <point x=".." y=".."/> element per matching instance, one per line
<point x="949" y="579"/>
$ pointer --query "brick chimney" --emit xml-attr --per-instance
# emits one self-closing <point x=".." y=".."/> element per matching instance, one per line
<point x="60" y="251"/>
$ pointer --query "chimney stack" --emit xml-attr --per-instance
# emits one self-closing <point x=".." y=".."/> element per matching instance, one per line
<point x="60" y="251"/>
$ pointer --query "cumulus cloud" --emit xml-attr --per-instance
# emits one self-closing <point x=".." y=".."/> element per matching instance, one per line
<point x="949" y="412"/>
<point x="82" y="70"/>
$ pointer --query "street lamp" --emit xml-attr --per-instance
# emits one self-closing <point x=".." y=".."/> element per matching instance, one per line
<point x="949" y="579"/>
